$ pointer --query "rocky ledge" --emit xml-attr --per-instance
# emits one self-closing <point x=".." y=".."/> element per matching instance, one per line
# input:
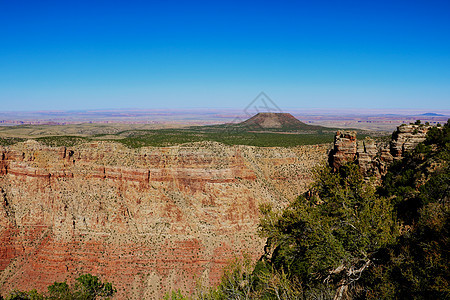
<point x="373" y="158"/>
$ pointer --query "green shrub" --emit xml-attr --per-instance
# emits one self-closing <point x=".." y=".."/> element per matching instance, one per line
<point x="86" y="287"/>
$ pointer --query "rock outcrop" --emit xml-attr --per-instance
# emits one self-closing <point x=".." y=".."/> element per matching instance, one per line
<point x="371" y="157"/>
<point x="147" y="220"/>
<point x="406" y="138"/>
<point x="344" y="149"/>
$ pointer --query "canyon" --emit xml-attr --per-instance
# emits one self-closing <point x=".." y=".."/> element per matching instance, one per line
<point x="149" y="220"/>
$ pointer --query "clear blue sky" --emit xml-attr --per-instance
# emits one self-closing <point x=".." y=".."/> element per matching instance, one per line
<point x="66" y="55"/>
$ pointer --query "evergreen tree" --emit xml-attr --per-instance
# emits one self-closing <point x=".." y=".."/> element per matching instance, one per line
<point x="331" y="235"/>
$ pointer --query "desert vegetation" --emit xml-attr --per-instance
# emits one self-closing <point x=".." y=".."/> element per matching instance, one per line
<point x="171" y="137"/>
<point x="174" y="137"/>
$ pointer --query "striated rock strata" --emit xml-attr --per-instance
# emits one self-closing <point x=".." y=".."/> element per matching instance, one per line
<point x="373" y="158"/>
<point x="147" y="220"/>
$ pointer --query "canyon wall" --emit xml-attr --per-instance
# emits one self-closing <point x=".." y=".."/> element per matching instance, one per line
<point x="148" y="220"/>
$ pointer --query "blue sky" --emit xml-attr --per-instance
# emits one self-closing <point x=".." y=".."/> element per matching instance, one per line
<point x="63" y="55"/>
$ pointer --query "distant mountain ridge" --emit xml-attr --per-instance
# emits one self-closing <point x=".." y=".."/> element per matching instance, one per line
<point x="432" y="115"/>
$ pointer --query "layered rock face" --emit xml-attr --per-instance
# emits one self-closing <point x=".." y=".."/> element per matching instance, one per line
<point x="344" y="149"/>
<point x="373" y="158"/>
<point x="147" y="220"/>
<point x="406" y="138"/>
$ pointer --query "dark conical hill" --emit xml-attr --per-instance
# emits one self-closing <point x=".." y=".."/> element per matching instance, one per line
<point x="269" y="122"/>
<point x="277" y="122"/>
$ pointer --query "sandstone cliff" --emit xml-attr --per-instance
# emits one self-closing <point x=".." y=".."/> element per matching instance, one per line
<point x="373" y="158"/>
<point x="147" y="220"/>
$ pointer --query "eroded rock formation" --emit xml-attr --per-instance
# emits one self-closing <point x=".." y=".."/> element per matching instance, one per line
<point x="406" y="138"/>
<point x="344" y="149"/>
<point x="373" y="158"/>
<point x="147" y="220"/>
